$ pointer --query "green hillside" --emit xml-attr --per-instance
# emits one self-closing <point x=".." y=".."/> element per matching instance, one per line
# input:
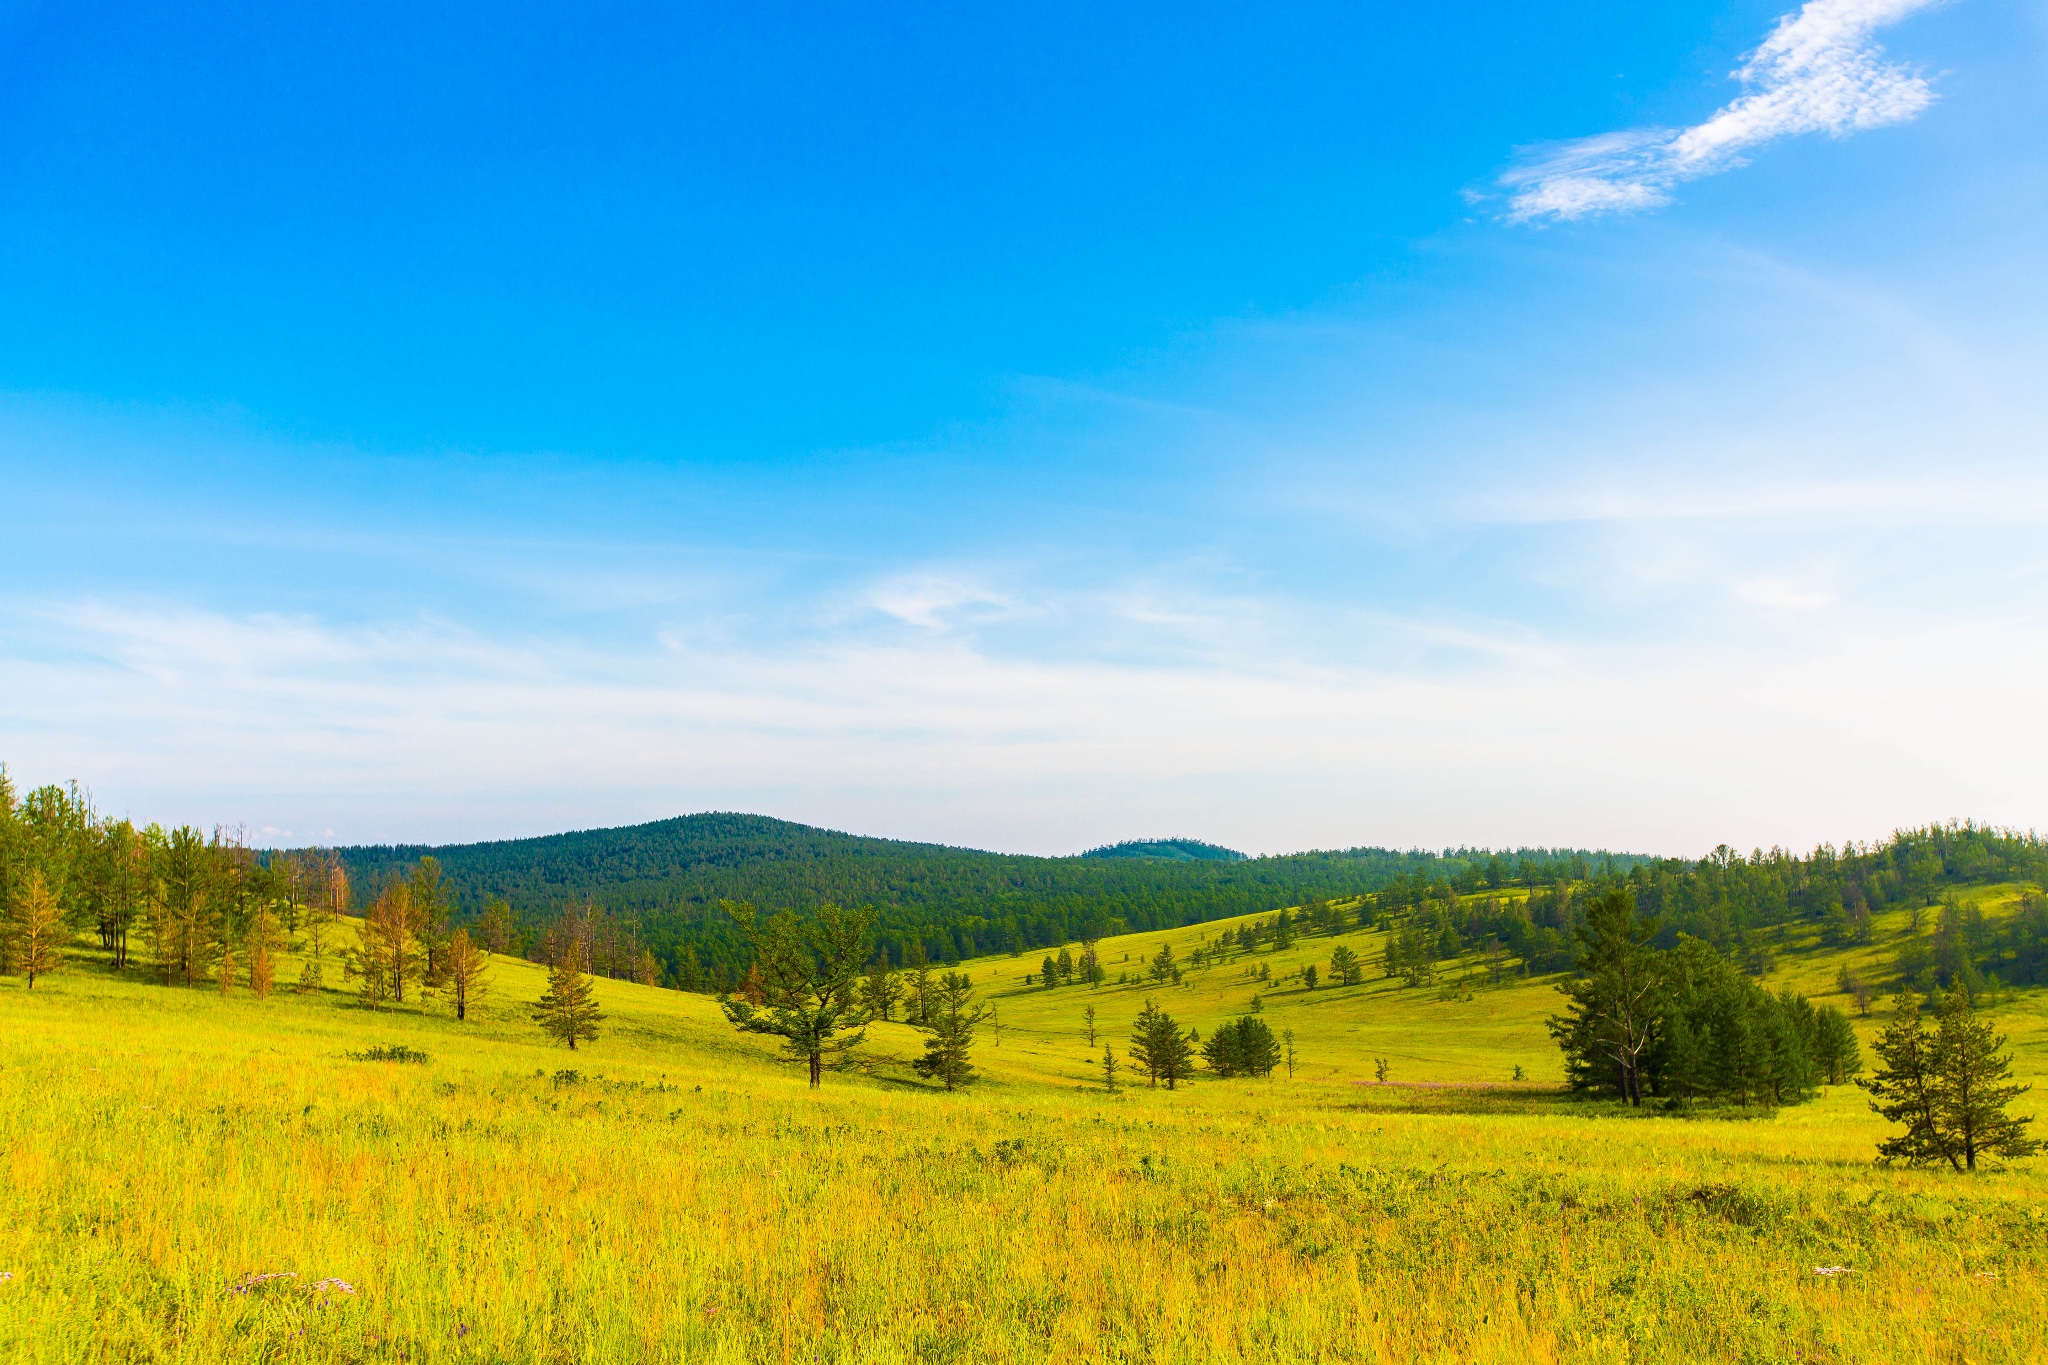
<point x="661" y="883"/>
<point x="206" y="1176"/>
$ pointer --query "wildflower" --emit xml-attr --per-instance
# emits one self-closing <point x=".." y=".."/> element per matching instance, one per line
<point x="1832" y="1270"/>
<point x="249" y="1282"/>
<point x="5" y="1276"/>
<point x="1979" y="1275"/>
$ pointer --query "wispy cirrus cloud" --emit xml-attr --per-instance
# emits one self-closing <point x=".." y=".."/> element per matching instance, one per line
<point x="1819" y="71"/>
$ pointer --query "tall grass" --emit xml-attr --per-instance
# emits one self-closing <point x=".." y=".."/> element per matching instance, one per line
<point x="682" y="1198"/>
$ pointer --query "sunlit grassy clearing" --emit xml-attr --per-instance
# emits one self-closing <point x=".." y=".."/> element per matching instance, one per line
<point x="698" y="1204"/>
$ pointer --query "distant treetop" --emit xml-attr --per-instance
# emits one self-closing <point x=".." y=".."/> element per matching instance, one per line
<point x="1175" y="849"/>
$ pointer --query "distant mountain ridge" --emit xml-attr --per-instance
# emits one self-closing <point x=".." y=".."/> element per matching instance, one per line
<point x="664" y="880"/>
<point x="1170" y="849"/>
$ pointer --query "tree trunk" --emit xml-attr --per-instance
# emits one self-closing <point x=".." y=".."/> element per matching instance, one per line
<point x="817" y="1069"/>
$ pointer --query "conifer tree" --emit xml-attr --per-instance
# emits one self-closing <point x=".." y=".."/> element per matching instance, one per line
<point x="1975" y="1085"/>
<point x="38" y="935"/>
<point x="804" y="970"/>
<point x="917" y="992"/>
<point x="468" y="972"/>
<point x="1049" y="971"/>
<point x="313" y="971"/>
<point x="1904" y="1089"/>
<point x="568" y="1011"/>
<point x="1065" y="965"/>
<point x="1088" y="1015"/>
<point x="1835" y="1050"/>
<point x="879" y="989"/>
<point x="1611" y="1020"/>
<point x="262" y="942"/>
<point x="1950" y="1088"/>
<point x="1162" y="963"/>
<point x="1108" y="1069"/>
<point x="1160" y="1048"/>
<point x="953" y="1020"/>
<point x="1345" y="966"/>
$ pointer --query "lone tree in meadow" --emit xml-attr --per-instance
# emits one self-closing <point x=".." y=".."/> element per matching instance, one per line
<point x="468" y="966"/>
<point x="39" y="932"/>
<point x="1345" y="967"/>
<point x="806" y="974"/>
<point x="1949" y="1087"/>
<point x="568" y="1011"/>
<point x="954" y="1017"/>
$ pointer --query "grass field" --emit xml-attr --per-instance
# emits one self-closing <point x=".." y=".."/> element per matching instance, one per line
<point x="672" y="1193"/>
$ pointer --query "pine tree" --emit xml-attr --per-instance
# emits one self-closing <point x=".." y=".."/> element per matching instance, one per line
<point x="1973" y="1085"/>
<point x="1904" y="1090"/>
<point x="1162" y="963"/>
<point x="39" y="934"/>
<point x="1611" y="1020"/>
<point x="568" y="1011"/>
<point x="1088" y="1015"/>
<point x="646" y="969"/>
<point x="1835" y="1050"/>
<point x="1108" y="1069"/>
<point x="1345" y="966"/>
<point x="805" y="971"/>
<point x="387" y="955"/>
<point x="880" y="990"/>
<point x="468" y="972"/>
<point x="313" y="971"/>
<point x="1159" y="1046"/>
<point x="917" y="992"/>
<point x="263" y="940"/>
<point x="1049" y="971"/>
<point x="1065" y="966"/>
<point x="953" y="1021"/>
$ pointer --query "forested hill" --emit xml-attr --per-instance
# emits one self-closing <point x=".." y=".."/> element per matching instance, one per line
<point x="665" y="880"/>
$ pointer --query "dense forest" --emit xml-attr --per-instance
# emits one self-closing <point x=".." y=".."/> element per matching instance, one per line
<point x="645" y="901"/>
<point x="658" y="886"/>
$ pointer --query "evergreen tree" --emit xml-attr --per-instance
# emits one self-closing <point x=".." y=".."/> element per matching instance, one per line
<point x="568" y="1011"/>
<point x="1243" y="1047"/>
<point x="1108" y="1069"/>
<point x="1610" y="1021"/>
<point x="806" y="970"/>
<point x="468" y="970"/>
<point x="1065" y="965"/>
<point x="1973" y="1086"/>
<point x="917" y="993"/>
<point x="1904" y="1089"/>
<point x="1835" y="1050"/>
<point x="1162" y="964"/>
<point x="263" y="942"/>
<point x="1160" y="1048"/>
<point x="1088" y="1015"/>
<point x="953" y="1021"/>
<point x="38" y="935"/>
<point x="1345" y="966"/>
<point x="1309" y="976"/>
<point x="1050" y="971"/>
<point x="879" y="989"/>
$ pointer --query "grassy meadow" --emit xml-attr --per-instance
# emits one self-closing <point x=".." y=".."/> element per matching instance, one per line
<point x="673" y="1193"/>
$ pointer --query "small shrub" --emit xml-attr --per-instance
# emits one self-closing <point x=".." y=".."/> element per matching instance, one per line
<point x="396" y="1052"/>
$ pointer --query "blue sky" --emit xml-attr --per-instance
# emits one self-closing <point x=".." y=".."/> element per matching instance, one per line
<point x="1605" y="424"/>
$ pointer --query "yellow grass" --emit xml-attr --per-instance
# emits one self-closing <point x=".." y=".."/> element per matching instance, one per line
<point x="687" y="1199"/>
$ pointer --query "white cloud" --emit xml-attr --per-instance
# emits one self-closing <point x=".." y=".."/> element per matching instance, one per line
<point x="1818" y="72"/>
<point x="1783" y="595"/>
